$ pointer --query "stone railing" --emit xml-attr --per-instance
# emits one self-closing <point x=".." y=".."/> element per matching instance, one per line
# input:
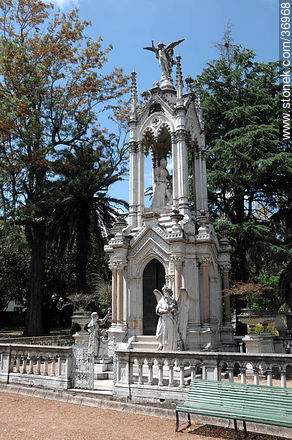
<point x="166" y="375"/>
<point x="36" y="365"/>
<point x="60" y="340"/>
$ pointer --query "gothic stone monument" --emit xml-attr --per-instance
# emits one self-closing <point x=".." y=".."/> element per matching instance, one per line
<point x="173" y="242"/>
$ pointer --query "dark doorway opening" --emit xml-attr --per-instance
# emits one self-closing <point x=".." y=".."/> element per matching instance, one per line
<point x="153" y="278"/>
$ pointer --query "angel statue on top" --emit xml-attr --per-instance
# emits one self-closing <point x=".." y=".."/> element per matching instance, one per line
<point x="165" y="58"/>
<point x="166" y="330"/>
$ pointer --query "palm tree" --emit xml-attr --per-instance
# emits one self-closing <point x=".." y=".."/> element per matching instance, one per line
<point x="83" y="205"/>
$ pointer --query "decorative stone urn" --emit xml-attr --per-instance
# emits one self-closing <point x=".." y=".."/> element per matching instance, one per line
<point x="255" y="317"/>
<point x="81" y="318"/>
<point x="258" y="343"/>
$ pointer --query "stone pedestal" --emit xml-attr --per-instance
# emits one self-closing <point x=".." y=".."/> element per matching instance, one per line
<point x="116" y="336"/>
<point x="227" y="335"/>
<point x="81" y="340"/>
<point x="263" y="343"/>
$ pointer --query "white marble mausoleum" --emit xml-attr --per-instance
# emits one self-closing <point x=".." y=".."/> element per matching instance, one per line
<point x="173" y="241"/>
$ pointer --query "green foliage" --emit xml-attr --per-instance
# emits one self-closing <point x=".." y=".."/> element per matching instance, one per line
<point x="248" y="164"/>
<point x="52" y="86"/>
<point x="260" y="329"/>
<point x="83" y="209"/>
<point x="14" y="263"/>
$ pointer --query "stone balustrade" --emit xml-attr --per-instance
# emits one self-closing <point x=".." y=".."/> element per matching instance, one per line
<point x="36" y="365"/>
<point x="165" y="375"/>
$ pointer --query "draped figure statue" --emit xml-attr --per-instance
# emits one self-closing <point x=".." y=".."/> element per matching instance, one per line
<point x="166" y="330"/>
<point x="94" y="332"/>
<point x="162" y="188"/>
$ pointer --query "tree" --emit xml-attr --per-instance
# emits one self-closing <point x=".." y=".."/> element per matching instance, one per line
<point x="248" y="162"/>
<point x="83" y="205"/>
<point x="14" y="263"/>
<point x="50" y="90"/>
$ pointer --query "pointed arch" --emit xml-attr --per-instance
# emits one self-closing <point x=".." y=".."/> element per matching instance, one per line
<point x="153" y="278"/>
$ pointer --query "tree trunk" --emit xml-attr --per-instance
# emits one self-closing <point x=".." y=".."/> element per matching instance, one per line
<point x="82" y="246"/>
<point x="34" y="316"/>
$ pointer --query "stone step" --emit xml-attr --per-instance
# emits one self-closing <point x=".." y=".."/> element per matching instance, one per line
<point x="102" y="368"/>
<point x="104" y="376"/>
<point x="144" y="343"/>
<point x="145" y="338"/>
<point x="144" y="346"/>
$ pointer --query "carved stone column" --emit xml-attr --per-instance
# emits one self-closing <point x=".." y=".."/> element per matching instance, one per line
<point x="178" y="262"/>
<point x="133" y="146"/>
<point x="182" y="162"/>
<point x="225" y="268"/>
<point x="205" y="261"/>
<point x="120" y="294"/>
<point x="114" y="294"/>
<point x="140" y="199"/>
<point x="204" y="180"/>
<point x="175" y="171"/>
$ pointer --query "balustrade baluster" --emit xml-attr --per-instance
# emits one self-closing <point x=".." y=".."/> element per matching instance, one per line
<point x="24" y="363"/>
<point x="17" y="364"/>
<point x="182" y="376"/>
<point x="140" y="372"/>
<point x="230" y="373"/>
<point x="160" y="374"/>
<point x="193" y="372"/>
<point x="204" y="372"/>
<point x="46" y="367"/>
<point x="255" y="375"/>
<point x="283" y="378"/>
<point x="170" y="368"/>
<point x="30" y="370"/>
<point x="59" y="366"/>
<point x="269" y="378"/>
<point x="53" y="366"/>
<point x="150" y="373"/>
<point x="38" y="365"/>
<point x="242" y="374"/>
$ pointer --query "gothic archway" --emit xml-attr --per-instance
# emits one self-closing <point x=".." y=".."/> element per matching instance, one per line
<point x="153" y="278"/>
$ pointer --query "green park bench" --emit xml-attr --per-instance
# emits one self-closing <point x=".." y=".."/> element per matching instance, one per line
<point x="236" y="401"/>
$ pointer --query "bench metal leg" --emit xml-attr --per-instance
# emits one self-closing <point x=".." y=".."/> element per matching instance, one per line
<point x="244" y="427"/>
<point x="177" y="421"/>
<point x="189" y="420"/>
<point x="235" y="429"/>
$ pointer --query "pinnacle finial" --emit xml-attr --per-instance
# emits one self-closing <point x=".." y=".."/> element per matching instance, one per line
<point x="189" y="81"/>
<point x="134" y="85"/>
<point x="179" y="79"/>
<point x="198" y="92"/>
<point x="133" y="96"/>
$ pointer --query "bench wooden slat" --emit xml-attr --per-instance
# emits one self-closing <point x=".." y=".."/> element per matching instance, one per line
<point x="251" y="401"/>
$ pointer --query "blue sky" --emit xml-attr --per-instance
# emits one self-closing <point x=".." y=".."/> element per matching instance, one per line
<point x="131" y="24"/>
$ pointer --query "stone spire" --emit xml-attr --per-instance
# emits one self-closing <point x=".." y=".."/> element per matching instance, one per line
<point x="133" y="115"/>
<point x="198" y="101"/>
<point x="179" y="80"/>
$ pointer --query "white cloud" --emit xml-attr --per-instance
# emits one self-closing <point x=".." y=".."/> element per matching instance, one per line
<point x="65" y="3"/>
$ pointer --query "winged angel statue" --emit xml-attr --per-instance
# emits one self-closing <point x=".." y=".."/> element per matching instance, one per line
<point x="173" y="319"/>
<point x="165" y="57"/>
